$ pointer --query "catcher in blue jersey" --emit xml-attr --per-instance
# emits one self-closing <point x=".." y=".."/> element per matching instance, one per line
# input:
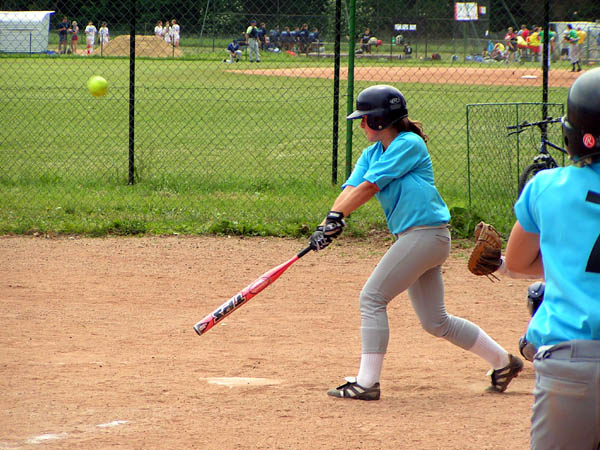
<point x="557" y="235"/>
<point x="397" y="169"/>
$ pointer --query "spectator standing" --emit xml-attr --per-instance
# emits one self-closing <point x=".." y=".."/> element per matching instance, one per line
<point x="103" y="34"/>
<point x="90" y="37"/>
<point x="274" y="38"/>
<point x="551" y="45"/>
<point x="294" y="38"/>
<point x="573" y="40"/>
<point x="252" y="41"/>
<point x="523" y="43"/>
<point x="286" y="39"/>
<point x="510" y="44"/>
<point x="74" y="36"/>
<point x="175" y="32"/>
<point x="166" y="31"/>
<point x="582" y="35"/>
<point x="533" y="42"/>
<point x="63" y="30"/>
<point x="313" y="39"/>
<point x="564" y="44"/>
<point x="158" y="29"/>
<point x="262" y="36"/>
<point x="303" y="45"/>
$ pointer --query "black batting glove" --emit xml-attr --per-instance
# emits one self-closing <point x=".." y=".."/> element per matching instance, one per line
<point x="318" y="240"/>
<point x="334" y="224"/>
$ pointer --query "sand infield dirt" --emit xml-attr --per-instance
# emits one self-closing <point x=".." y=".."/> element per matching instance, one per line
<point x="149" y="46"/>
<point x="98" y="350"/>
<point x="500" y="76"/>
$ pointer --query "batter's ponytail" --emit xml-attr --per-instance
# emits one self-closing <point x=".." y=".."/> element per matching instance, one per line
<point x="413" y="126"/>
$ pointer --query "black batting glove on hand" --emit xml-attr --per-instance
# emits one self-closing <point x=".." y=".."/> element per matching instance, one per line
<point x="318" y="240"/>
<point x="334" y="224"/>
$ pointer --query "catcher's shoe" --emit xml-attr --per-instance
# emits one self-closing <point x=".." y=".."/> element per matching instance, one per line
<point x="355" y="391"/>
<point x="501" y="378"/>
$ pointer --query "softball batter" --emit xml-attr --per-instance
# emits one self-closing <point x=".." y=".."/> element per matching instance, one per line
<point x="397" y="170"/>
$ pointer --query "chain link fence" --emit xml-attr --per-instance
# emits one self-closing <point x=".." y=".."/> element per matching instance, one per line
<point x="193" y="137"/>
<point x="496" y="156"/>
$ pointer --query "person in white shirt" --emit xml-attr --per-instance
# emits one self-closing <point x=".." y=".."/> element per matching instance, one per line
<point x="167" y="32"/>
<point x="175" y="29"/>
<point x="103" y="34"/>
<point x="90" y="37"/>
<point x="158" y="29"/>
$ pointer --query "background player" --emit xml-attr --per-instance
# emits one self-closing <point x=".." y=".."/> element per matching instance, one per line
<point x="158" y="29"/>
<point x="398" y="170"/>
<point x="103" y="34"/>
<point x="252" y="41"/>
<point x="558" y="216"/>
<point x="90" y="37"/>
<point x="175" y="32"/>
<point x="234" y="52"/>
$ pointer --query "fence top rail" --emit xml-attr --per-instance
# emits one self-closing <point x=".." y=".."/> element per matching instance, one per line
<point x="512" y="103"/>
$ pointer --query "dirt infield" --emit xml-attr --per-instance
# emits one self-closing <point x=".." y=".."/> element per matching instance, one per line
<point x="98" y="350"/>
<point x="438" y="75"/>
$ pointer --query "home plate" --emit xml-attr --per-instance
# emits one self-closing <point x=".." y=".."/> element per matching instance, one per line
<point x="529" y="77"/>
<point x="242" y="381"/>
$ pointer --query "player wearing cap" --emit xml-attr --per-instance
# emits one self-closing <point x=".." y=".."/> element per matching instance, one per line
<point x="557" y="235"/>
<point x="252" y="41"/>
<point x="397" y="169"/>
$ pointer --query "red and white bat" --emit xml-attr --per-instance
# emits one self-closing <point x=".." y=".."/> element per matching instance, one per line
<point x="242" y="297"/>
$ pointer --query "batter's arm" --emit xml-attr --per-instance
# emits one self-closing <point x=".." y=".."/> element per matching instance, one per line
<point x="352" y="198"/>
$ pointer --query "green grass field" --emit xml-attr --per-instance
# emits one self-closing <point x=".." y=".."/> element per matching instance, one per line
<point x="215" y="150"/>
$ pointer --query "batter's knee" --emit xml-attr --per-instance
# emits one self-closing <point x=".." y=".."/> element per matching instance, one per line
<point x="371" y="301"/>
<point x="438" y="328"/>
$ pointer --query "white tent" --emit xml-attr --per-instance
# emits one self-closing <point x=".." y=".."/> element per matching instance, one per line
<point x="24" y="31"/>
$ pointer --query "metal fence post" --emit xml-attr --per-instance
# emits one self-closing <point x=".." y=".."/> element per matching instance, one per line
<point x="350" y="101"/>
<point x="336" y="91"/>
<point x="132" y="93"/>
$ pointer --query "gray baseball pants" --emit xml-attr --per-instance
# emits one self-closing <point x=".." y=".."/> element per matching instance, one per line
<point x="412" y="263"/>
<point x="253" y="52"/>
<point x="566" y="409"/>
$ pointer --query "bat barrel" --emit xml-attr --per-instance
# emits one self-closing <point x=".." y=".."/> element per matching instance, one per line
<point x="242" y="297"/>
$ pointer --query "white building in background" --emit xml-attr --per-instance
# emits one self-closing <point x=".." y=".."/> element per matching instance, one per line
<point x="24" y="31"/>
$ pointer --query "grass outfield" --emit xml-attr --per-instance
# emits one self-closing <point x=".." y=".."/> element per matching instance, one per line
<point x="215" y="150"/>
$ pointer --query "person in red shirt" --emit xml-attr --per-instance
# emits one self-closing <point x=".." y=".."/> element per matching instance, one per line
<point x="510" y="44"/>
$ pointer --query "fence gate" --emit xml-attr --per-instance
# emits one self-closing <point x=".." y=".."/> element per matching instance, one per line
<point x="495" y="159"/>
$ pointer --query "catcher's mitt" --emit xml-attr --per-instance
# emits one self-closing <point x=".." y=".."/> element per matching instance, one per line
<point x="485" y="258"/>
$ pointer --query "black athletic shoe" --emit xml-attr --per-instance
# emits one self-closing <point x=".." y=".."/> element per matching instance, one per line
<point x="501" y="378"/>
<point x="355" y="391"/>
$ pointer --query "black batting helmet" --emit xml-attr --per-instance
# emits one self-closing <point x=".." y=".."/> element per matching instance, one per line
<point x="535" y="296"/>
<point x="581" y="125"/>
<point x="382" y="104"/>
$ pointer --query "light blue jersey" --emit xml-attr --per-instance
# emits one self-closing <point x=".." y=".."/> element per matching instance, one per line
<point x="563" y="206"/>
<point x="404" y="176"/>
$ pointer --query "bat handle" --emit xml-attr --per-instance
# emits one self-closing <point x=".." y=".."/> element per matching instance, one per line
<point x="304" y="252"/>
